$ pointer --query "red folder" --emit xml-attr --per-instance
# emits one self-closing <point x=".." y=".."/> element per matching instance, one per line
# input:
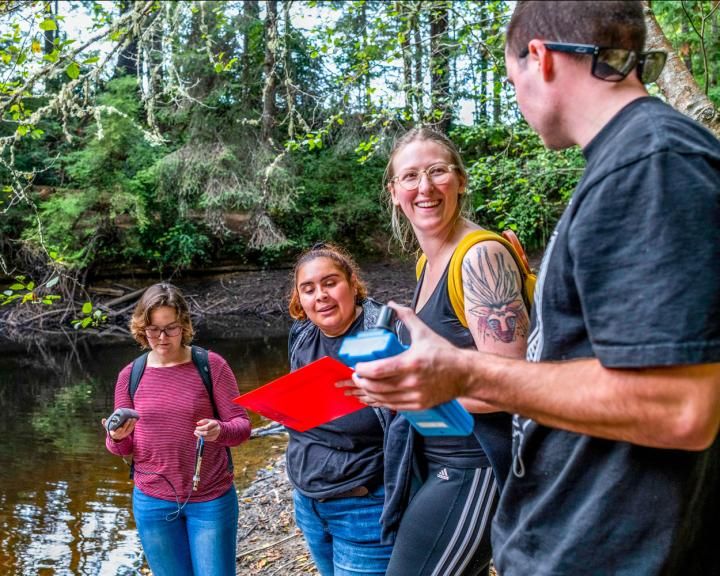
<point x="306" y="397"/>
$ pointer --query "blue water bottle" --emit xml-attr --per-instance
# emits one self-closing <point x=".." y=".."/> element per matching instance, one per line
<point x="449" y="419"/>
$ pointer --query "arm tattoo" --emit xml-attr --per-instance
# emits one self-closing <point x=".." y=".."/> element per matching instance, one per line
<point x="494" y="292"/>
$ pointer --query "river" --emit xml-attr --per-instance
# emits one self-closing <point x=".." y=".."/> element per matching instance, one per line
<point x="64" y="500"/>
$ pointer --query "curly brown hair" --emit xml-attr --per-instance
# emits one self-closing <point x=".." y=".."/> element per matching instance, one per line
<point x="345" y="264"/>
<point x="156" y="296"/>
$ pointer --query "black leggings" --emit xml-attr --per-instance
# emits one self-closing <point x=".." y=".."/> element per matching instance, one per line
<point x="445" y="530"/>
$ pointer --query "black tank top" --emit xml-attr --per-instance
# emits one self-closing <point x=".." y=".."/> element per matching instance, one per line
<point x="492" y="439"/>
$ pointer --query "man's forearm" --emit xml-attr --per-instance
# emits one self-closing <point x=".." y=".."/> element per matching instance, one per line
<point x="674" y="407"/>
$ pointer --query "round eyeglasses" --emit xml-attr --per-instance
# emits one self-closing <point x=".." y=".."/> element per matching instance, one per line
<point x="438" y="174"/>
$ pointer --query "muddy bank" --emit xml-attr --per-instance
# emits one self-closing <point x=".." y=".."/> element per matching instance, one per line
<point x="246" y="303"/>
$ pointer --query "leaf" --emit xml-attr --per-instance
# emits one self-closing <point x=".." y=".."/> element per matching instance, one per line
<point x="91" y="60"/>
<point x="48" y="24"/>
<point x="73" y="70"/>
<point x="36" y="47"/>
<point x="86" y="322"/>
<point x="52" y="282"/>
<point x="87" y="308"/>
<point x="30" y="285"/>
<point x="16" y="287"/>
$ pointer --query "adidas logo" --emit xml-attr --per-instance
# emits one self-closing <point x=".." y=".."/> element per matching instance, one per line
<point x="443" y="474"/>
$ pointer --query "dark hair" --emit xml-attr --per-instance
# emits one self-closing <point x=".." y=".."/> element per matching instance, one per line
<point x="400" y="227"/>
<point x="615" y="24"/>
<point x="157" y="296"/>
<point x="344" y="262"/>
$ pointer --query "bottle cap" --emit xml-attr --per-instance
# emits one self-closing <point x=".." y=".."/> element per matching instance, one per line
<point x="386" y="319"/>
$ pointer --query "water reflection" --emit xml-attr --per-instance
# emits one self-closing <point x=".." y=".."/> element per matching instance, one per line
<point x="64" y="500"/>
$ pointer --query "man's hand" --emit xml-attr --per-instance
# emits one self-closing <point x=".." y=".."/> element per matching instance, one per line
<point x="423" y="376"/>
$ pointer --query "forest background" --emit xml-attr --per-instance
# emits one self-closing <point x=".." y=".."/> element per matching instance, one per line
<point x="179" y="136"/>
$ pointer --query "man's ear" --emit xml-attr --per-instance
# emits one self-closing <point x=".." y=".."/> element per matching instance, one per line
<point x="540" y="56"/>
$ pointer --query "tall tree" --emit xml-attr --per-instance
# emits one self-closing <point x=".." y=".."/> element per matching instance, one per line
<point x="676" y="81"/>
<point x="440" y="65"/>
<point x="270" y="88"/>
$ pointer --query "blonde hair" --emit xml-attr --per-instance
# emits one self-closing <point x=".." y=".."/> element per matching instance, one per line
<point x="157" y="296"/>
<point x="345" y="264"/>
<point x="402" y="231"/>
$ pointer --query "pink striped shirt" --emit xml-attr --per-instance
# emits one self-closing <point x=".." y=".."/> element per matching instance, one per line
<point x="170" y="401"/>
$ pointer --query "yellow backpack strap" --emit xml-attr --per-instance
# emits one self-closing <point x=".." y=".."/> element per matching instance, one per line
<point x="420" y="264"/>
<point x="455" y="284"/>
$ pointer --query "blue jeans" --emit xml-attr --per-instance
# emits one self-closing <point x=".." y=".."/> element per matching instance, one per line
<point x="343" y="534"/>
<point x="201" y="540"/>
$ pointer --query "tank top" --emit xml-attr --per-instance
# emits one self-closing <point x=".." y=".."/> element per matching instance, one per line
<point x="490" y="443"/>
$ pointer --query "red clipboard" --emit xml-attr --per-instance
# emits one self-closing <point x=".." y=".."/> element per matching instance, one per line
<point x="306" y="397"/>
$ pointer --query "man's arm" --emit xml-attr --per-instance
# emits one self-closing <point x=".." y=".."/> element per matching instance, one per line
<point x="674" y="407"/>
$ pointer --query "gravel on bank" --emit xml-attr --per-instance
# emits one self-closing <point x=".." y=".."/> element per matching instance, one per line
<point x="269" y="543"/>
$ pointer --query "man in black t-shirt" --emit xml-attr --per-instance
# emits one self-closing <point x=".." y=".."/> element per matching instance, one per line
<point x="616" y="457"/>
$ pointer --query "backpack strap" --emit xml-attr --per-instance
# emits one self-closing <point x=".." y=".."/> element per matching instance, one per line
<point x="138" y="368"/>
<point x="200" y="358"/>
<point x="455" y="284"/>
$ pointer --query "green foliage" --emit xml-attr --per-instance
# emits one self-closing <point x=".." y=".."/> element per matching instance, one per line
<point x="515" y="182"/>
<point x="24" y="291"/>
<point x="91" y="317"/>
<point x="338" y="200"/>
<point x="105" y="189"/>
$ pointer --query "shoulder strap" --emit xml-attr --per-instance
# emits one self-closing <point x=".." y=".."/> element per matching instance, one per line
<point x="201" y="359"/>
<point x="455" y="285"/>
<point x="138" y="367"/>
<point x="202" y="363"/>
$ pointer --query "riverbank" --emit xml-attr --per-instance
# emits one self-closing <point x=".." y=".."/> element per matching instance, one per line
<point x="269" y="543"/>
<point x="245" y="303"/>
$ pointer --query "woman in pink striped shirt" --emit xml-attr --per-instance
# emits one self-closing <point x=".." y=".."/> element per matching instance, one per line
<point x="184" y="529"/>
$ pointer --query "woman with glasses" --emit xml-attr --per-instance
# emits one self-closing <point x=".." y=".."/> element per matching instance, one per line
<point x="445" y="491"/>
<point x="186" y="509"/>
<point x="336" y="469"/>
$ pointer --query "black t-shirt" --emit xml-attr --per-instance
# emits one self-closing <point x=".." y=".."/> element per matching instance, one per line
<point x="631" y="276"/>
<point x="335" y="457"/>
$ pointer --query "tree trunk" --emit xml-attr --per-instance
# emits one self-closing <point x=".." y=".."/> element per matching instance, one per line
<point x="686" y="49"/>
<point x="415" y="21"/>
<point x="50" y="35"/>
<point x="440" y="65"/>
<point x="715" y="44"/>
<point x="676" y="82"/>
<point x="363" y="32"/>
<point x="250" y="56"/>
<point x="270" y="88"/>
<point x="406" y="57"/>
<point x="127" y="62"/>
<point x="484" y="64"/>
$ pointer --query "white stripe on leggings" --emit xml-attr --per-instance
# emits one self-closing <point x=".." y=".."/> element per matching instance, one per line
<point x="473" y="508"/>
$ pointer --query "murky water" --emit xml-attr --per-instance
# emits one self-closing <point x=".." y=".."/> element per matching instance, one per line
<point x="64" y="500"/>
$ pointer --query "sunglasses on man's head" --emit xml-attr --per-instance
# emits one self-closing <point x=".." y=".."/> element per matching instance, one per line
<point x="614" y="64"/>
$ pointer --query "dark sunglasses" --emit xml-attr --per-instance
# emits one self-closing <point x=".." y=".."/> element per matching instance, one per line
<point x="614" y="64"/>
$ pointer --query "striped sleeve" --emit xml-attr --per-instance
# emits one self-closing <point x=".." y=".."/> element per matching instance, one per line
<point x="234" y="422"/>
